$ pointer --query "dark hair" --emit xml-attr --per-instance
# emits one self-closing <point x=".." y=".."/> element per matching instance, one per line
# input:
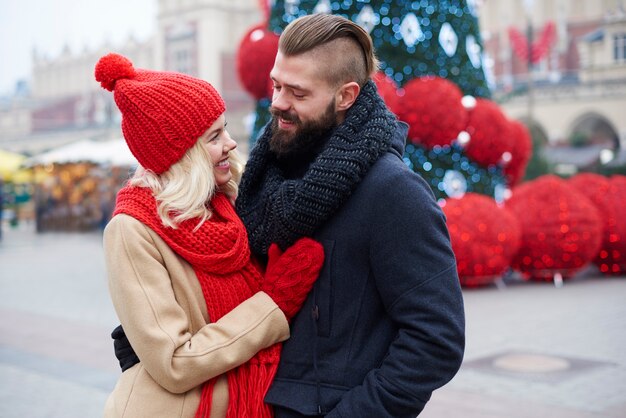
<point x="347" y="47"/>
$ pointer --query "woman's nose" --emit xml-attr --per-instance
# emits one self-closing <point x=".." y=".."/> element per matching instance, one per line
<point x="230" y="144"/>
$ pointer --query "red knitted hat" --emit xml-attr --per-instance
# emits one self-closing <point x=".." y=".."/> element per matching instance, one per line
<point x="163" y="113"/>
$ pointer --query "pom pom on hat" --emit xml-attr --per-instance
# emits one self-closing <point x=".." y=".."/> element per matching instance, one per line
<point x="163" y="113"/>
<point x="111" y="68"/>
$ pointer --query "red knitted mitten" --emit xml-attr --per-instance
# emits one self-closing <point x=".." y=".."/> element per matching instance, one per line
<point x="289" y="276"/>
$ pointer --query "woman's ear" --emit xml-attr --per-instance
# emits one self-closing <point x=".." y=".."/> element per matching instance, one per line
<point x="346" y="96"/>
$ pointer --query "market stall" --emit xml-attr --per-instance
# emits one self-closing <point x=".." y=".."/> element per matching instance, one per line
<point x="79" y="184"/>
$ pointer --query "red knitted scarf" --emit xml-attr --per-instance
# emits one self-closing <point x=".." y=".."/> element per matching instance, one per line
<point x="219" y="253"/>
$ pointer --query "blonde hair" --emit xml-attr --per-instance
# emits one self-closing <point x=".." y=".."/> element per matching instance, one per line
<point x="326" y="34"/>
<point x="184" y="191"/>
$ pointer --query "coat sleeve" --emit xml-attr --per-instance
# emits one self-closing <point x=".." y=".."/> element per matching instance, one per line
<point x="415" y="272"/>
<point x="158" y="326"/>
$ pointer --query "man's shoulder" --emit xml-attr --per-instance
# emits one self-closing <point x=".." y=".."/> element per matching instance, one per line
<point x="390" y="174"/>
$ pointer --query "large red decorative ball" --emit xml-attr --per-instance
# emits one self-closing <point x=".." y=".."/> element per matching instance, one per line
<point x="561" y="228"/>
<point x="489" y="133"/>
<point x="255" y="59"/>
<point x="484" y="237"/>
<point x="432" y="108"/>
<point x="609" y="196"/>
<point x="388" y="90"/>
<point x="521" y="150"/>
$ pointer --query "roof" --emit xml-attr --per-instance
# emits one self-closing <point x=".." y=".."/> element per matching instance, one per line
<point x="593" y="36"/>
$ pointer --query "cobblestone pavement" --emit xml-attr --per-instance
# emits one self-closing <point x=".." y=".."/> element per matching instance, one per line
<point x="533" y="350"/>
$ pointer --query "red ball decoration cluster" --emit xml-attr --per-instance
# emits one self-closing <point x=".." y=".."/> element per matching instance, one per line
<point x="255" y="59"/>
<point x="484" y="237"/>
<point x="561" y="228"/>
<point x="609" y="196"/>
<point x="432" y="107"/>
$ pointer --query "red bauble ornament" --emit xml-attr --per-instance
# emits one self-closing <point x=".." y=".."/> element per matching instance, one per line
<point x="432" y="108"/>
<point x="561" y="228"/>
<point x="388" y="90"/>
<point x="255" y="59"/>
<point x="489" y="132"/>
<point x="609" y="196"/>
<point x="484" y="237"/>
<point x="521" y="150"/>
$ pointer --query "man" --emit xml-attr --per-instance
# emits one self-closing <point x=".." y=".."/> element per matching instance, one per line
<point x="384" y="325"/>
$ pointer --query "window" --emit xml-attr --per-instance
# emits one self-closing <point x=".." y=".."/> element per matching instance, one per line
<point x="181" y="48"/>
<point x="619" y="47"/>
<point x="182" y="61"/>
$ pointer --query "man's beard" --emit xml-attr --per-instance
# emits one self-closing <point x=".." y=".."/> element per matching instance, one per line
<point x="307" y="137"/>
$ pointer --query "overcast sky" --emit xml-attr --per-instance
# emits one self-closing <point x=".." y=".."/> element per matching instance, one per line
<point x="48" y="25"/>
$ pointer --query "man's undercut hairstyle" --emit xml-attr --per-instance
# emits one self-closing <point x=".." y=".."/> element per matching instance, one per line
<point x="344" y="48"/>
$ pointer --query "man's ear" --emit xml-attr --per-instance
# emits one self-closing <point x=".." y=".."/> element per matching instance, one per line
<point x="346" y="96"/>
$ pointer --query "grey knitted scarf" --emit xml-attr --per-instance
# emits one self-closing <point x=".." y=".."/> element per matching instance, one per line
<point x="276" y="209"/>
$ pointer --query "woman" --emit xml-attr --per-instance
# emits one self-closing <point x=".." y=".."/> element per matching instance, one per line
<point x="202" y="320"/>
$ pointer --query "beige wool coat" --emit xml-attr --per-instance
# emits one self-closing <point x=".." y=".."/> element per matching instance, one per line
<point x="159" y="302"/>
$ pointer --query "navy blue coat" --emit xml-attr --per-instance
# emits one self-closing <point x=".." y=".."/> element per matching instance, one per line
<point x="384" y="325"/>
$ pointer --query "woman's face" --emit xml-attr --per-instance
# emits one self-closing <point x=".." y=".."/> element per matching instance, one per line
<point x="218" y="143"/>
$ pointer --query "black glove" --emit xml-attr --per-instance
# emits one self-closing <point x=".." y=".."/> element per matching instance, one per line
<point x="123" y="350"/>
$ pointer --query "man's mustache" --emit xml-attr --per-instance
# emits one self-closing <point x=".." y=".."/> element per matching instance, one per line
<point x="289" y="117"/>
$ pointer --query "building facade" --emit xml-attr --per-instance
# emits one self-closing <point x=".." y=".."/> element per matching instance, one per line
<point x="66" y="104"/>
<point x="201" y="38"/>
<point x="574" y="93"/>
